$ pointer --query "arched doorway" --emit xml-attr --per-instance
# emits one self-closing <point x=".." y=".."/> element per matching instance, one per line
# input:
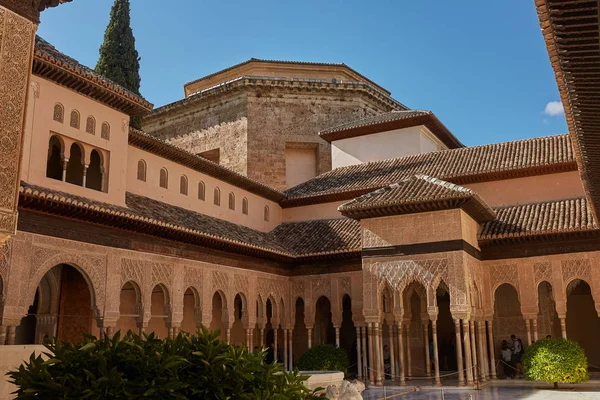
<point x="548" y="322"/>
<point x="159" y="306"/>
<point x="324" y="330"/>
<point x="582" y="322"/>
<point x="75" y="165"/>
<point x="191" y="304"/>
<point x="94" y="173"/>
<point x="271" y="323"/>
<point x="416" y="303"/>
<point x="508" y="319"/>
<point x="54" y="167"/>
<point x="129" y="308"/>
<point x="238" y="330"/>
<point x="219" y="314"/>
<point x="348" y="333"/>
<point x="445" y="330"/>
<point x="62" y="307"/>
<point x="300" y="333"/>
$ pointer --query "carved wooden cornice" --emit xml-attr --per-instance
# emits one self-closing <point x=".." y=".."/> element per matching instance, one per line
<point x="30" y="9"/>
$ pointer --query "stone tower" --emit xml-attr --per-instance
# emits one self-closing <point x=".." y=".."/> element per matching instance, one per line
<point x="261" y="118"/>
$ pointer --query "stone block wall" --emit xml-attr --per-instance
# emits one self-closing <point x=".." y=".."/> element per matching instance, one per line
<point x="217" y="123"/>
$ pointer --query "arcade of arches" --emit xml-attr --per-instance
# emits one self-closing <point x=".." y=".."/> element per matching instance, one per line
<point x="402" y="318"/>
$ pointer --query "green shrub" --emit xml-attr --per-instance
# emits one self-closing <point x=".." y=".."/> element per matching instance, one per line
<point x="324" y="357"/>
<point x="135" y="367"/>
<point x="555" y="361"/>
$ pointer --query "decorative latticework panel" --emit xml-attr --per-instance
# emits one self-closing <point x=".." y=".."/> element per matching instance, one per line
<point x="580" y="269"/>
<point x="542" y="271"/>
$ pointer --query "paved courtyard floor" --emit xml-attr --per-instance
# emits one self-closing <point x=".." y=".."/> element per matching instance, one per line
<point x="496" y="391"/>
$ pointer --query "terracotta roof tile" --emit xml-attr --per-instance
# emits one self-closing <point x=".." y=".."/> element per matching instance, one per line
<point x="56" y="66"/>
<point x="325" y="236"/>
<point x="557" y="217"/>
<point x="471" y="164"/>
<point x="419" y="193"/>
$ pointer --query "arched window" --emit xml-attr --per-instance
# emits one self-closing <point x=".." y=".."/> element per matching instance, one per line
<point x="231" y="201"/>
<point x="201" y="191"/>
<point x="90" y="125"/>
<point x="75" y="165"/>
<point x="245" y="206"/>
<point x="55" y="158"/>
<point x="105" y="132"/>
<point x="74" y="119"/>
<point x="217" y="196"/>
<point x="141" y="171"/>
<point x="93" y="178"/>
<point x="266" y="217"/>
<point x="183" y="185"/>
<point x="59" y="113"/>
<point x="164" y="178"/>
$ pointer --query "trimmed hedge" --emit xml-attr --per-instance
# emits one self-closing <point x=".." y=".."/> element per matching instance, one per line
<point x="555" y="361"/>
<point x="134" y="367"/>
<point x="325" y="357"/>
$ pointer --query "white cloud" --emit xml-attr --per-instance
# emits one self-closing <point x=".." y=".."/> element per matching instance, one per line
<point x="554" y="108"/>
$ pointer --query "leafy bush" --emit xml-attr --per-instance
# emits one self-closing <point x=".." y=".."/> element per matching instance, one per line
<point x="555" y="361"/>
<point x="135" y="367"/>
<point x="324" y="357"/>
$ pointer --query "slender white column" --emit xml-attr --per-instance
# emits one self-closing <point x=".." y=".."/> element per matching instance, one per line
<point x="426" y="341"/>
<point x="371" y="372"/>
<point x="528" y="326"/>
<point x="535" y="329"/>
<point x="392" y="356"/>
<point x="563" y="327"/>
<point x="474" y="361"/>
<point x="459" y="355"/>
<point x="262" y="337"/>
<point x="401" y="351"/>
<point x="310" y="338"/>
<point x="291" y="339"/>
<point x="228" y="336"/>
<point x="467" y="346"/>
<point x="276" y="344"/>
<point x="436" y="360"/>
<point x="2" y="335"/>
<point x="408" y="351"/>
<point x="337" y="336"/>
<point x="480" y="352"/>
<point x="381" y="358"/>
<point x="285" y="349"/>
<point x="365" y="357"/>
<point x="377" y="353"/>
<point x="358" y="351"/>
<point x="491" y="347"/>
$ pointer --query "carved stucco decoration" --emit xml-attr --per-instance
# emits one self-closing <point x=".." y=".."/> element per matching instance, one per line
<point x="371" y="239"/>
<point x="221" y="281"/>
<point x="132" y="270"/>
<point x="576" y="269"/>
<point x="321" y="287"/>
<point x="298" y="290"/>
<point x="542" y="271"/>
<point x="16" y="43"/>
<point x="31" y="9"/>
<point x="500" y="274"/>
<point x="240" y="284"/>
<point x="5" y="251"/>
<point x="193" y="278"/>
<point x="270" y="288"/>
<point x="162" y="274"/>
<point x="345" y="286"/>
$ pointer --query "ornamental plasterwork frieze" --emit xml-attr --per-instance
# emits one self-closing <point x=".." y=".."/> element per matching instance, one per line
<point x="4" y="262"/>
<point x="16" y="43"/>
<point x="132" y="270"/>
<point x="220" y="281"/>
<point x="269" y="287"/>
<point x="542" y="271"/>
<point x="321" y="287"/>
<point x="500" y="274"/>
<point x="580" y="268"/>
<point x="193" y="278"/>
<point x="345" y="285"/>
<point x="162" y="273"/>
<point x="370" y="239"/>
<point x="240" y="284"/>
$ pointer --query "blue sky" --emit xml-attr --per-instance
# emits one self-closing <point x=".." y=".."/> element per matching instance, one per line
<point x="480" y="66"/>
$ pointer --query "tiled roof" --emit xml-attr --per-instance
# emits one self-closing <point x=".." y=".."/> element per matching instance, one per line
<point x="419" y="193"/>
<point x="391" y="120"/>
<point x="176" y="154"/>
<point x="58" y="67"/>
<point x="549" y="218"/>
<point x="465" y="165"/>
<point x="572" y="34"/>
<point x="290" y="63"/>
<point x="160" y="219"/>
<point x="319" y="237"/>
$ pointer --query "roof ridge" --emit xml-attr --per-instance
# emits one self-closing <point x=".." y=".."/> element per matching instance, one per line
<point x="535" y="203"/>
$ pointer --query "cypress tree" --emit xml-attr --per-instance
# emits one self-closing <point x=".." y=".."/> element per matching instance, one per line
<point x="119" y="60"/>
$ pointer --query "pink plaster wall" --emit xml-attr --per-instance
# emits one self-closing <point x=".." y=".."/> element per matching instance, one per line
<point x="313" y="211"/>
<point x="40" y="126"/>
<point x="172" y="195"/>
<point x="532" y="189"/>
